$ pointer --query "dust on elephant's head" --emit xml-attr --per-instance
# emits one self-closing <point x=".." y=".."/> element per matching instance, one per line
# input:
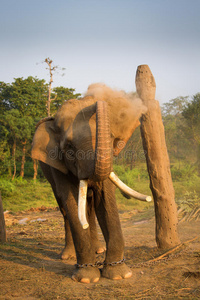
<point x="86" y="133"/>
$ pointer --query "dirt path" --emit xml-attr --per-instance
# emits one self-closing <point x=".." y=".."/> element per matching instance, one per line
<point x="30" y="267"/>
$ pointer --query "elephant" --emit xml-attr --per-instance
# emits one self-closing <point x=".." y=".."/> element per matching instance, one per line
<point x="75" y="149"/>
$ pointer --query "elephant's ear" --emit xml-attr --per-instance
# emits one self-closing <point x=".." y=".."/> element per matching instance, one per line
<point x="46" y="146"/>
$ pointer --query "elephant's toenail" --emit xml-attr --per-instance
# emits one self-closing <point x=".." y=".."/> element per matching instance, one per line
<point x="117" y="277"/>
<point x="128" y="275"/>
<point x="101" y="250"/>
<point x="85" y="280"/>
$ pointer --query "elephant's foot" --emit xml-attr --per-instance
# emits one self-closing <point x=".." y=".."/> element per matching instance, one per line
<point x="68" y="253"/>
<point x="86" y="275"/>
<point x="99" y="248"/>
<point x="117" y="272"/>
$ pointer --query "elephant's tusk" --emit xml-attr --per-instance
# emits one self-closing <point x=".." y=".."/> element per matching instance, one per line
<point x="82" y="198"/>
<point x="127" y="190"/>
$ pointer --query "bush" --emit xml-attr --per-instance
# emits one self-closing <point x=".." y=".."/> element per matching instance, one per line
<point x="183" y="173"/>
<point x="21" y="194"/>
<point x="130" y="176"/>
<point x="7" y="187"/>
<point x="189" y="201"/>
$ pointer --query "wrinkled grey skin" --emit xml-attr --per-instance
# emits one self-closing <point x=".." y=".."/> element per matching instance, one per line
<point x="74" y="133"/>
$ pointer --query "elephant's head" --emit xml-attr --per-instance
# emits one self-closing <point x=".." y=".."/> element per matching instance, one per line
<point x="84" y="136"/>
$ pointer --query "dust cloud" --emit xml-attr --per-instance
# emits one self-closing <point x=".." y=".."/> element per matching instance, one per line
<point x="125" y="108"/>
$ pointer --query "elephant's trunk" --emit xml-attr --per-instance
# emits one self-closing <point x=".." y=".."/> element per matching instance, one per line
<point x="103" y="163"/>
<point x="103" y="150"/>
<point x="103" y="158"/>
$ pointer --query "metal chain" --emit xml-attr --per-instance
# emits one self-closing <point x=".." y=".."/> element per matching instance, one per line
<point x="100" y="264"/>
<point x="114" y="263"/>
<point x="138" y="265"/>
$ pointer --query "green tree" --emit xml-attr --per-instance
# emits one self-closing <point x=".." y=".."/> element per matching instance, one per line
<point x="20" y="130"/>
<point x="4" y="133"/>
<point x="191" y="114"/>
<point x="62" y="94"/>
<point x="23" y="104"/>
<point x="174" y="124"/>
<point x="29" y="96"/>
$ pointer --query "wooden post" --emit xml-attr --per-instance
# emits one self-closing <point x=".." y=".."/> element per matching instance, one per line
<point x="153" y="137"/>
<point x="2" y="223"/>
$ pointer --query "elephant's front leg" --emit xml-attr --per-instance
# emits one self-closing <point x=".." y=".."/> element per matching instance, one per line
<point x="68" y="187"/>
<point x="86" y="270"/>
<point x="69" y="251"/>
<point x="107" y="214"/>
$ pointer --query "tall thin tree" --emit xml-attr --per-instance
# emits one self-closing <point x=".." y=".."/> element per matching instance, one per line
<point x="51" y="69"/>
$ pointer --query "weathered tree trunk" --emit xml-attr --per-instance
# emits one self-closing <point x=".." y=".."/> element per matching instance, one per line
<point x="14" y="159"/>
<point x="2" y="223"/>
<point x="23" y="158"/>
<point x="35" y="168"/>
<point x="153" y="137"/>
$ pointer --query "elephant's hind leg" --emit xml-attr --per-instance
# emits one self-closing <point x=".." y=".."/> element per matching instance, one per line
<point x="98" y="246"/>
<point x="69" y="250"/>
<point x="50" y="173"/>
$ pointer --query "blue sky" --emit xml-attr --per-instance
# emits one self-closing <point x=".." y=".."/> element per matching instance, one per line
<point x="103" y="41"/>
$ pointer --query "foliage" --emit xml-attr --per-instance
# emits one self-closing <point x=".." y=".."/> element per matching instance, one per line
<point x="62" y="94"/>
<point x="7" y="188"/>
<point x="189" y="206"/>
<point x="191" y="113"/>
<point x="189" y="201"/>
<point x="129" y="176"/>
<point x="185" y="172"/>
<point x="174" y="124"/>
<point x="21" y="194"/>
<point x="22" y="105"/>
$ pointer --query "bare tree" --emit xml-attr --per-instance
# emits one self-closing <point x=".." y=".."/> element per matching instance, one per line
<point x="51" y="69"/>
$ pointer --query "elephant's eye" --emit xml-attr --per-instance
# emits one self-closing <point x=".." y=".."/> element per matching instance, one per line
<point x="69" y="146"/>
<point x="70" y="151"/>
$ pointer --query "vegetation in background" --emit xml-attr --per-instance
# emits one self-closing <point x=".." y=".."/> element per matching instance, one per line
<point x="24" y="102"/>
<point x="21" y="194"/>
<point x="22" y="105"/>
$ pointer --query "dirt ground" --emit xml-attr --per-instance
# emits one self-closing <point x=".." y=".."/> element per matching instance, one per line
<point x="30" y="266"/>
